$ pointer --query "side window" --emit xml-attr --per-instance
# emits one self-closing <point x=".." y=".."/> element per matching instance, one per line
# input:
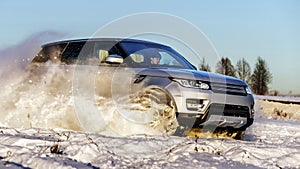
<point x="103" y="49"/>
<point x="137" y="58"/>
<point x="71" y="53"/>
<point x="90" y="53"/>
<point x="167" y="59"/>
<point x="51" y="53"/>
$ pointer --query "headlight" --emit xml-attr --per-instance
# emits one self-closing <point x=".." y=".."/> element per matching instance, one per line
<point x="192" y="83"/>
<point x="248" y="90"/>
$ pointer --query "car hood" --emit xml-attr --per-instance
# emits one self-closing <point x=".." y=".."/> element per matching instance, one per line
<point x="191" y="74"/>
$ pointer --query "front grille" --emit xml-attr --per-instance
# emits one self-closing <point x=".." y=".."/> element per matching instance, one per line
<point x="228" y="110"/>
<point x="228" y="89"/>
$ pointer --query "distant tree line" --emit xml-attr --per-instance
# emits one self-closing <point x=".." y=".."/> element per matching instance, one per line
<point x="258" y="80"/>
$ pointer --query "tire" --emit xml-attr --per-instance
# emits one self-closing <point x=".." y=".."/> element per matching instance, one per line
<point x="158" y="101"/>
<point x="236" y="134"/>
<point x="240" y="135"/>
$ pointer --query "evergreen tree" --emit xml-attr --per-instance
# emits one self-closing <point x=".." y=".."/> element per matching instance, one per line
<point x="261" y="77"/>
<point x="204" y="66"/>
<point x="225" y="67"/>
<point x="243" y="70"/>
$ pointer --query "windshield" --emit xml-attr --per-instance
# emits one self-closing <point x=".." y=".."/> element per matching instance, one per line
<point x="152" y="55"/>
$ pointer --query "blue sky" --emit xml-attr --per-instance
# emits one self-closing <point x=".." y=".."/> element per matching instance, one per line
<point x="237" y="29"/>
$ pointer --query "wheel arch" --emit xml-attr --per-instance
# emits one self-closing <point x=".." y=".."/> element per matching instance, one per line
<point x="165" y="90"/>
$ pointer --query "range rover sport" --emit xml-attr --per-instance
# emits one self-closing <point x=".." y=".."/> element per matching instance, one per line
<point x="156" y="72"/>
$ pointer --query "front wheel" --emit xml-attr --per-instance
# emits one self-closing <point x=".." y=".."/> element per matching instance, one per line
<point x="151" y="111"/>
<point x="164" y="111"/>
<point x="240" y="135"/>
<point x="236" y="134"/>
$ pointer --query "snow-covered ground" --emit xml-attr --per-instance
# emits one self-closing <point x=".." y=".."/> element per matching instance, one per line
<point x="274" y="145"/>
<point x="276" y="110"/>
<point x="269" y="143"/>
<point x="284" y="99"/>
<point x="39" y="131"/>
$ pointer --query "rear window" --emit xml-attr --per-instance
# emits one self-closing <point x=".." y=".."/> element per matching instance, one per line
<point x="50" y="53"/>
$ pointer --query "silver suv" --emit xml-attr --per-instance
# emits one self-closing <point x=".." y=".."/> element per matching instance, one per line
<point x="156" y="79"/>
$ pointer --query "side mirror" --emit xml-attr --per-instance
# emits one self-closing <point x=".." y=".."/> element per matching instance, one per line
<point x="114" y="59"/>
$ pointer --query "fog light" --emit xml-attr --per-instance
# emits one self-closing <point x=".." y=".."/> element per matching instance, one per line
<point x="252" y="113"/>
<point x="194" y="104"/>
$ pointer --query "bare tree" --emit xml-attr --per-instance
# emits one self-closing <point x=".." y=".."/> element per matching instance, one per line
<point x="204" y="66"/>
<point x="261" y="77"/>
<point x="243" y="70"/>
<point x="225" y="67"/>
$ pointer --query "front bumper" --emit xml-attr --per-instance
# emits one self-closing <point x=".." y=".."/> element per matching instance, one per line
<point x="214" y="109"/>
<point x="218" y="116"/>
